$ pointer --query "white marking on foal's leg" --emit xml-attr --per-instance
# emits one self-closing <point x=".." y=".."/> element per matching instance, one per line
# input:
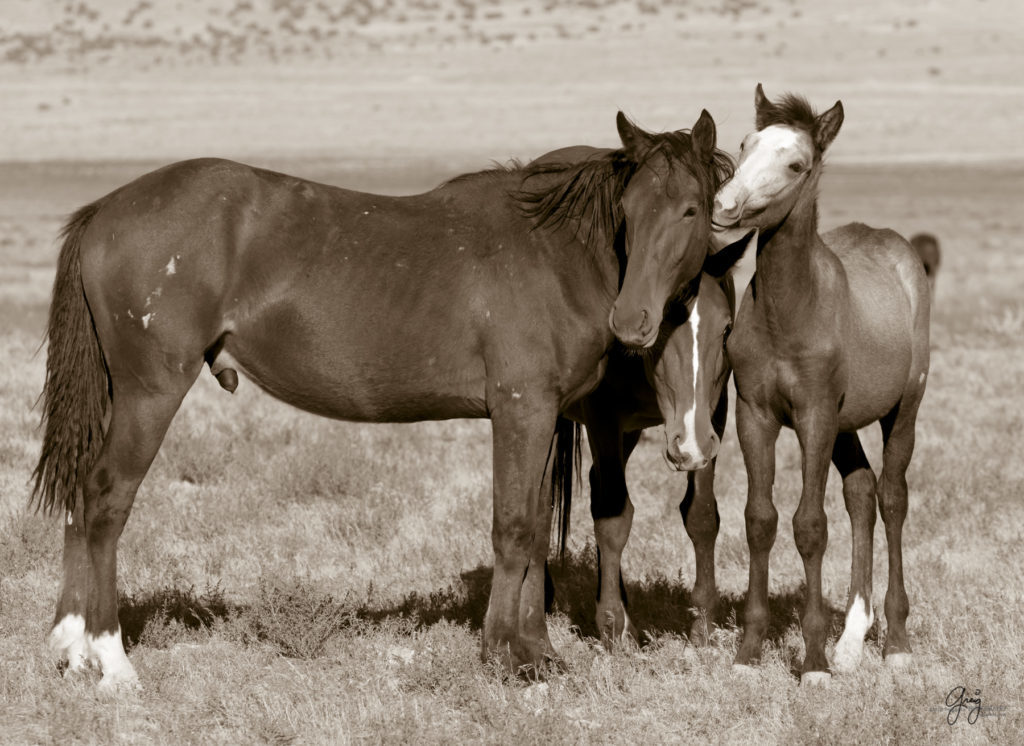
<point x="67" y="641"/>
<point x="859" y="619"/>
<point x="170" y="269"/>
<point x="108" y="652"/>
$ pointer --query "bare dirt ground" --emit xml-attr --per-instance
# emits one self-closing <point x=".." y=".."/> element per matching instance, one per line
<point x="290" y="579"/>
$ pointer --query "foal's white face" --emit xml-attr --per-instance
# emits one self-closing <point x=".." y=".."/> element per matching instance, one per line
<point x="773" y="163"/>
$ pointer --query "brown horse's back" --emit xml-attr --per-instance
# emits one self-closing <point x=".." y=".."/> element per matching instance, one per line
<point x="888" y="294"/>
<point x="349" y="305"/>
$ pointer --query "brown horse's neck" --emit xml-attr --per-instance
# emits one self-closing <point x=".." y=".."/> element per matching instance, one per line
<point x="786" y="283"/>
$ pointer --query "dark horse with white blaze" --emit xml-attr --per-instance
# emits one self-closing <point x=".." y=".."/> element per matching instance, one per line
<point x="460" y="302"/>
<point x="831" y="336"/>
<point x="680" y="382"/>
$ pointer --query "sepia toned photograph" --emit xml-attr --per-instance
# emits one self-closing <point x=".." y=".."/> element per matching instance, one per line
<point x="511" y="371"/>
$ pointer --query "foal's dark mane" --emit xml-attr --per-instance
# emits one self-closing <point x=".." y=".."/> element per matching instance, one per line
<point x="588" y="193"/>
<point x="791" y="110"/>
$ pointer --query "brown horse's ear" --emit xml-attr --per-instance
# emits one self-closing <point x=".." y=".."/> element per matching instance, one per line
<point x="703" y="137"/>
<point x="634" y="139"/>
<point x="762" y="106"/>
<point x="826" y="126"/>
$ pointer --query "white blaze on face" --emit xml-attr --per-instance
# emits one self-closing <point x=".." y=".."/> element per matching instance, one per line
<point x="859" y="619"/>
<point x="690" y="417"/>
<point x="764" y="169"/>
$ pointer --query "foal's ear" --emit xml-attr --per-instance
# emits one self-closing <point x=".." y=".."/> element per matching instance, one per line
<point x="826" y="126"/>
<point x="703" y="137"/>
<point x="761" y="107"/>
<point x="634" y="139"/>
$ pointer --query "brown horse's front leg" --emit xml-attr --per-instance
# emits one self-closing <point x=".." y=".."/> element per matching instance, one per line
<point x="522" y="436"/>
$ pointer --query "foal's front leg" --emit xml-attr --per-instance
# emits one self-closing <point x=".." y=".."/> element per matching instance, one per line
<point x="522" y="436"/>
<point x="757" y="431"/>
<point x="816" y="429"/>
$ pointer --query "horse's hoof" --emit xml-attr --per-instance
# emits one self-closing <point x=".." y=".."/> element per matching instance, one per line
<point x="122" y="680"/>
<point x="848" y="655"/>
<point x="899" y="661"/>
<point x="816" y="678"/>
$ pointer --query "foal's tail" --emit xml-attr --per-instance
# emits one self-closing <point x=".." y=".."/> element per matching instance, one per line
<point x="566" y="460"/>
<point x="77" y="388"/>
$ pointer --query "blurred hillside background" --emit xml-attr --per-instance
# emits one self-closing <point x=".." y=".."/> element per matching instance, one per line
<point x="448" y="84"/>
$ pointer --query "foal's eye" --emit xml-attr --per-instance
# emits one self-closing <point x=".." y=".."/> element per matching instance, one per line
<point x="796" y="167"/>
<point x="725" y="336"/>
<point x="690" y="212"/>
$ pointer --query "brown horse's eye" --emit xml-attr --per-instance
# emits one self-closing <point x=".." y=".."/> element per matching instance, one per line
<point x="690" y="212"/>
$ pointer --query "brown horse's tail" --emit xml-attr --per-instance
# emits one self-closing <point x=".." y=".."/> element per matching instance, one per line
<point x="566" y="460"/>
<point x="77" y="389"/>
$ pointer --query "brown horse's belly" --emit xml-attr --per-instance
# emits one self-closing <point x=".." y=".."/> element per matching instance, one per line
<point x="343" y="366"/>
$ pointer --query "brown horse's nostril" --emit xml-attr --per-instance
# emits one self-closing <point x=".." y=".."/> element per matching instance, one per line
<point x="683" y="459"/>
<point x="645" y="323"/>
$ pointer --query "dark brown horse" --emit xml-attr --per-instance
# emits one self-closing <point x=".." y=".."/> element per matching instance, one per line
<point x="489" y="296"/>
<point x="927" y="247"/>
<point x="681" y="383"/>
<point x="832" y="335"/>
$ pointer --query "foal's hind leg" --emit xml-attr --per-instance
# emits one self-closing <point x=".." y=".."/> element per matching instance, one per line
<point x="859" y="495"/>
<point x="139" y="419"/>
<point x="898" y="439"/>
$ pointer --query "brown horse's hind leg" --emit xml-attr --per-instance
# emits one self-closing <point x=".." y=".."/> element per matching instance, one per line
<point x="522" y="435"/>
<point x="139" y="420"/>
<point x="533" y="627"/>
<point x="898" y="439"/>
<point x="67" y="638"/>
<point x="859" y="495"/>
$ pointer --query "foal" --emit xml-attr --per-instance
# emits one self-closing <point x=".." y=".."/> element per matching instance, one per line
<point x="681" y="383"/>
<point x="832" y="335"/>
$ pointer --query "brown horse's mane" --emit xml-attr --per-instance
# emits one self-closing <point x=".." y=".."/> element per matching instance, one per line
<point x="588" y="194"/>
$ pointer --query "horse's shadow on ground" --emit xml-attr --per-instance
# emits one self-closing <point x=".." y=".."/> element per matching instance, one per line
<point x="299" y="619"/>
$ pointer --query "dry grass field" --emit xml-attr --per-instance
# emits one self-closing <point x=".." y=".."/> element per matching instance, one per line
<point x="288" y="579"/>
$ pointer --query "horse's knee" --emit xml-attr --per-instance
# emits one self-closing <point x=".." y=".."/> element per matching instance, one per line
<point x="810" y="530"/>
<point x="892" y="498"/>
<point x="761" y="523"/>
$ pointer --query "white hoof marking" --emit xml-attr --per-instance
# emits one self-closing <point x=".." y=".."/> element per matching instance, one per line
<point x="850" y="647"/>
<point x="108" y="652"/>
<point x="816" y="678"/>
<point x="67" y="641"/>
<point x="899" y="661"/>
